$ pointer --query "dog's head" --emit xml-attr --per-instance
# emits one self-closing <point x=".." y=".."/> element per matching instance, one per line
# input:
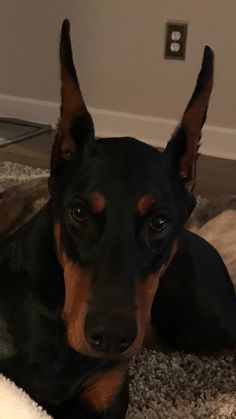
<point x="119" y="206"/>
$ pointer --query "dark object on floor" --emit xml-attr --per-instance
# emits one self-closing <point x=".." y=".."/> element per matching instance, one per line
<point x="14" y="130"/>
<point x="79" y="279"/>
<point x="20" y="203"/>
<point x="206" y="210"/>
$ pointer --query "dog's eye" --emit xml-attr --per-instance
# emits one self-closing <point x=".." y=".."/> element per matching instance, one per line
<point x="79" y="214"/>
<point x="160" y="225"/>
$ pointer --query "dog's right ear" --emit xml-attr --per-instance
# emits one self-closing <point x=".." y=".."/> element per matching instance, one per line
<point x="75" y="127"/>
<point x="182" y="149"/>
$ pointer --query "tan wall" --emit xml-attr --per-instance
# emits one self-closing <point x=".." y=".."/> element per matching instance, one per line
<point x="120" y="44"/>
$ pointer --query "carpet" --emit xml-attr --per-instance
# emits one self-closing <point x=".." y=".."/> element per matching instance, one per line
<point x="165" y="386"/>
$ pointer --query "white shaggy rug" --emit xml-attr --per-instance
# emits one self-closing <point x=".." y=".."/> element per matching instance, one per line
<point x="165" y="385"/>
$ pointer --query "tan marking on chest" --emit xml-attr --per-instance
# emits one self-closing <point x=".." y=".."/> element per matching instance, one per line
<point x="103" y="391"/>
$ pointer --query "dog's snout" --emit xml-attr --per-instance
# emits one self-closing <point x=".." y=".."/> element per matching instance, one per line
<point x="109" y="335"/>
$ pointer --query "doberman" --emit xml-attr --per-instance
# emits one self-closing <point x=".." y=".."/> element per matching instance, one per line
<point x="79" y="280"/>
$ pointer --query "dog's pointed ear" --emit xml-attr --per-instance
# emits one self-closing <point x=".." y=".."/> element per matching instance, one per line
<point x="75" y="127"/>
<point x="184" y="145"/>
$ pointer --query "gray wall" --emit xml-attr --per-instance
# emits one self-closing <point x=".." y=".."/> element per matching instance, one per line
<point x="120" y="47"/>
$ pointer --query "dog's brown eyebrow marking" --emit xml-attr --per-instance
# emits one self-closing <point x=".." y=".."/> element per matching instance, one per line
<point x="145" y="203"/>
<point x="97" y="202"/>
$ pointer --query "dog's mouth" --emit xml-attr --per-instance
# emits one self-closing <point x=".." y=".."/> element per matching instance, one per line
<point x="113" y="334"/>
<point x="111" y="356"/>
<point x="109" y="334"/>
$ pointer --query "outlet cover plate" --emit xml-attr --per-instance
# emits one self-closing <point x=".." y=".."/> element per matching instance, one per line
<point x="176" y="40"/>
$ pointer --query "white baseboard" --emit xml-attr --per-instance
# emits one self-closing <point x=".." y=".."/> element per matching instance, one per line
<point x="217" y="141"/>
<point x="29" y="109"/>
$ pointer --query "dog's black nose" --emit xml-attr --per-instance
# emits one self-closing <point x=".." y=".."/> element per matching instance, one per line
<point x="109" y="335"/>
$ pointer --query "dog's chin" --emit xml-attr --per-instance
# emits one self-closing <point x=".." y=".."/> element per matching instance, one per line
<point x="110" y="356"/>
<point x="124" y="356"/>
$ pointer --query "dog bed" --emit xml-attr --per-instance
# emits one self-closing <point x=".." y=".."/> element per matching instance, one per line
<point x="14" y="403"/>
<point x="162" y="385"/>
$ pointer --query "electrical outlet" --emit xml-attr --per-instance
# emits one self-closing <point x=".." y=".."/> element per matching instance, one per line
<point x="176" y="39"/>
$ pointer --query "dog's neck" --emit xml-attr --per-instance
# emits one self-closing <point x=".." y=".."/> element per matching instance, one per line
<point x="30" y="253"/>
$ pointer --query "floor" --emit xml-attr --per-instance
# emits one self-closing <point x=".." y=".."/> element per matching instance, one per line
<point x="215" y="177"/>
<point x="34" y="151"/>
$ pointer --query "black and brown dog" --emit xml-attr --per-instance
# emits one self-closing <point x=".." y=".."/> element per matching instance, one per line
<point x="79" y="282"/>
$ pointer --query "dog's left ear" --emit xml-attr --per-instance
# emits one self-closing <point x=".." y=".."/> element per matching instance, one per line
<point x="184" y="145"/>
<point x="75" y="126"/>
